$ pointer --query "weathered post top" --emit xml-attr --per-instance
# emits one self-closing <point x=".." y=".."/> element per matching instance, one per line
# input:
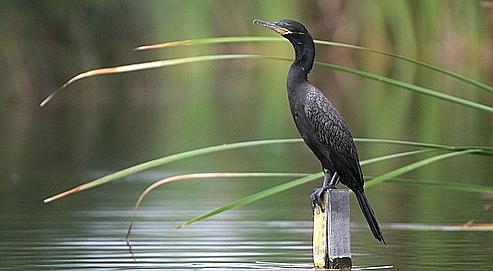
<point x="331" y="234"/>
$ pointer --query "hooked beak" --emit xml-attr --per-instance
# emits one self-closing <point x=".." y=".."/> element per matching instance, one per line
<point x="273" y="26"/>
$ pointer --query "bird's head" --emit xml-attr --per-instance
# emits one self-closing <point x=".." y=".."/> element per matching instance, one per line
<point x="299" y="37"/>
<point x="289" y="29"/>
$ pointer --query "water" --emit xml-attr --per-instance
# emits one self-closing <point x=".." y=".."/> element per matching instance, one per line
<point x="88" y="230"/>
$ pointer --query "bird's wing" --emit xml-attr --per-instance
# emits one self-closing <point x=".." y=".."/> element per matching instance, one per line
<point x="333" y="132"/>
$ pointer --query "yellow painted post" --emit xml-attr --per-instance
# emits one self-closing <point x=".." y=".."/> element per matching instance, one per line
<point x="331" y="234"/>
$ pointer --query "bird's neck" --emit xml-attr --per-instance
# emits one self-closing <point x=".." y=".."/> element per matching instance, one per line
<point x="302" y="65"/>
<point x="304" y="52"/>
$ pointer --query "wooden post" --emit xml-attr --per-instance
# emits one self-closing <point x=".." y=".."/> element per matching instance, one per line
<point x="331" y="235"/>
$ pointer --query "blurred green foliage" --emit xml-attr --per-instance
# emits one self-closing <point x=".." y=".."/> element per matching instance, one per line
<point x="116" y="121"/>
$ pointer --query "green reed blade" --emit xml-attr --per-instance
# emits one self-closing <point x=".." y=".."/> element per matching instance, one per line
<point x="216" y="40"/>
<point x="179" y="61"/>
<point x="466" y="187"/>
<point x="286" y="186"/>
<point x="192" y="153"/>
<point x="413" y="166"/>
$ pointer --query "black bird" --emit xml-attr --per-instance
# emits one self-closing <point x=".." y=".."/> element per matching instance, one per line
<point x="320" y="124"/>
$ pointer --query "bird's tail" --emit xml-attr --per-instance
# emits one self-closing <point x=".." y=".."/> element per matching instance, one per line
<point x="369" y="215"/>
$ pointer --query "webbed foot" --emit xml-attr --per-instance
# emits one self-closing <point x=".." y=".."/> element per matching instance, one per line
<point x="316" y="198"/>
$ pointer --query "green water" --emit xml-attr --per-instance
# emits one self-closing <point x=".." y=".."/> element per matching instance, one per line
<point x="87" y="231"/>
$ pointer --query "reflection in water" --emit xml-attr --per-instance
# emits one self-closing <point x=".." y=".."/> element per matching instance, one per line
<point x="88" y="232"/>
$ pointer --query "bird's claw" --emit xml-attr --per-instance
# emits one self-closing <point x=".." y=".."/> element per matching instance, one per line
<point x="330" y="182"/>
<point x="317" y="195"/>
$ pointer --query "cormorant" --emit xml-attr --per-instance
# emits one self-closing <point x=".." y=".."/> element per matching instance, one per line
<point x="320" y="124"/>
